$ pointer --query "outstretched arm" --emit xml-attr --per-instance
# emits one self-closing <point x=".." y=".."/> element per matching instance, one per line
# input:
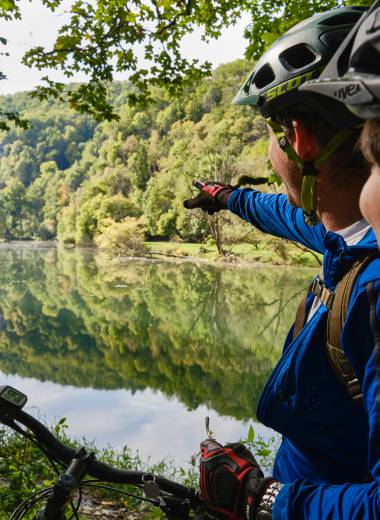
<point x="268" y="212"/>
<point x="274" y="214"/>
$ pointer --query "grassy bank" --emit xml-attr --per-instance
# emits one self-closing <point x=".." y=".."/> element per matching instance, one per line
<point x="267" y="252"/>
<point x="270" y="251"/>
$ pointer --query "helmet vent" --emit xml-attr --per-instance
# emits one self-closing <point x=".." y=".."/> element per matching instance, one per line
<point x="298" y="57"/>
<point x="264" y="76"/>
<point x="343" y="18"/>
<point x="367" y="61"/>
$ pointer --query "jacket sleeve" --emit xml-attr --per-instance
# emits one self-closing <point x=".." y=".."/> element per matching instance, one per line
<point x="273" y="214"/>
<point x="304" y="500"/>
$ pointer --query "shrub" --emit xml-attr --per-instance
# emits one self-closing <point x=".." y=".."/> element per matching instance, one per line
<point x="126" y="236"/>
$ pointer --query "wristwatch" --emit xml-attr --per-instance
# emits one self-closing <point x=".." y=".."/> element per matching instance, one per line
<point x="264" y="510"/>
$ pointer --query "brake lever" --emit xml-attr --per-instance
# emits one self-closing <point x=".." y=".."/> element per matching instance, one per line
<point x="175" y="508"/>
<point x="179" y="508"/>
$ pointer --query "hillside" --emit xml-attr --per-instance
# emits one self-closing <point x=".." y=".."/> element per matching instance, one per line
<point x="116" y="184"/>
<point x="122" y="169"/>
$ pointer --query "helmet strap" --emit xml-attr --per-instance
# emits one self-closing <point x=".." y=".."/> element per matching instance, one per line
<point x="309" y="173"/>
<point x="308" y="169"/>
<point x="283" y="141"/>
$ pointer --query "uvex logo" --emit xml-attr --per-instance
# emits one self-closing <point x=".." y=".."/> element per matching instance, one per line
<point x="347" y="91"/>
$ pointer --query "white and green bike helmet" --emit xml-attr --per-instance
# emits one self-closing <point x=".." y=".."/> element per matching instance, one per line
<point x="299" y="55"/>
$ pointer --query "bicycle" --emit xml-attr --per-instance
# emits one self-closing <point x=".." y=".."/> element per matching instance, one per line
<point x="175" y="500"/>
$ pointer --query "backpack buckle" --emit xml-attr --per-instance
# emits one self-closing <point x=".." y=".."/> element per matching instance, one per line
<point x="325" y="295"/>
<point x="354" y="390"/>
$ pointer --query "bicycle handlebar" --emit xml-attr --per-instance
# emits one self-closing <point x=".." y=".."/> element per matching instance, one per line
<point x="62" y="453"/>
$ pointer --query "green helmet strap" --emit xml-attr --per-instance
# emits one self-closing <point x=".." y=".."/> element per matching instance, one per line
<point x="308" y="169"/>
<point x="283" y="141"/>
<point x="338" y="139"/>
<point x="307" y="193"/>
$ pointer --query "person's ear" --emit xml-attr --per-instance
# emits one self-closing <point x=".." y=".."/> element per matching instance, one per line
<point x="304" y="142"/>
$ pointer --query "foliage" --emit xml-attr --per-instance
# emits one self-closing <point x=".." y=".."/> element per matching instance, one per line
<point x="264" y="450"/>
<point x="70" y="178"/>
<point x="125" y="236"/>
<point x="24" y="469"/>
<point x="271" y="19"/>
<point x="9" y="10"/>
<point x="143" y="39"/>
<point x="78" y="177"/>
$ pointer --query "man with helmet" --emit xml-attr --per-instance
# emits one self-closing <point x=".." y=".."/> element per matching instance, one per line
<point x="322" y="395"/>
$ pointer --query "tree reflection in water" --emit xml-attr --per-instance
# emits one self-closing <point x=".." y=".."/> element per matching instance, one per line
<point x="206" y="335"/>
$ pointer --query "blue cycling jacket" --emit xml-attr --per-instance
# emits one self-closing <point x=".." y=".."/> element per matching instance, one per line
<point x="329" y="460"/>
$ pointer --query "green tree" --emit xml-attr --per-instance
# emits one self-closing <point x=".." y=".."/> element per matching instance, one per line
<point x="138" y="165"/>
<point x="66" y="229"/>
<point x="13" y="199"/>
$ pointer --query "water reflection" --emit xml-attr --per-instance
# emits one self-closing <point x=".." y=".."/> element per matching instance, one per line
<point x="145" y="421"/>
<point x="205" y="335"/>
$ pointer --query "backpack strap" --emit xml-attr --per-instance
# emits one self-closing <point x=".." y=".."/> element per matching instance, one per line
<point x="299" y="322"/>
<point x="300" y="319"/>
<point x="335" y="322"/>
<point x="337" y="304"/>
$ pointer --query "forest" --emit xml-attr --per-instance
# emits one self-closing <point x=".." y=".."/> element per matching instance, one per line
<point x="117" y="183"/>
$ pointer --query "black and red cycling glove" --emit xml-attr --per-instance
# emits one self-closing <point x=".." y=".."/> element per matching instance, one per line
<point x="223" y="474"/>
<point x="212" y="198"/>
<point x="231" y="482"/>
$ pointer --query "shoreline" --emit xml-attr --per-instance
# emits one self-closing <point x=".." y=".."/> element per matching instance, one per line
<point x="244" y="257"/>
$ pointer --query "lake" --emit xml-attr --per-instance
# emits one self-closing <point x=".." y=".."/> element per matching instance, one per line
<point x="137" y="353"/>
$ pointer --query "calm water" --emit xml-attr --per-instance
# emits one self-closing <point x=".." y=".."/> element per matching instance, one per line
<point x="138" y="353"/>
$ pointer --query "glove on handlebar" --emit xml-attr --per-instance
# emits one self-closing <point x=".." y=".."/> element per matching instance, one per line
<point x="225" y="472"/>
<point x="212" y="198"/>
<point x="259" y="497"/>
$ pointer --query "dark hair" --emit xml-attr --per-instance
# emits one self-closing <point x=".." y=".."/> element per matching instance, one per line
<point x="348" y="158"/>
<point x="370" y="141"/>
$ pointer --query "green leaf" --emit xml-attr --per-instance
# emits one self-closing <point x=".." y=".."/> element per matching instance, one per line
<point x="274" y="179"/>
<point x="264" y="453"/>
<point x="131" y="17"/>
<point x="251" y="434"/>
<point x="65" y="43"/>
